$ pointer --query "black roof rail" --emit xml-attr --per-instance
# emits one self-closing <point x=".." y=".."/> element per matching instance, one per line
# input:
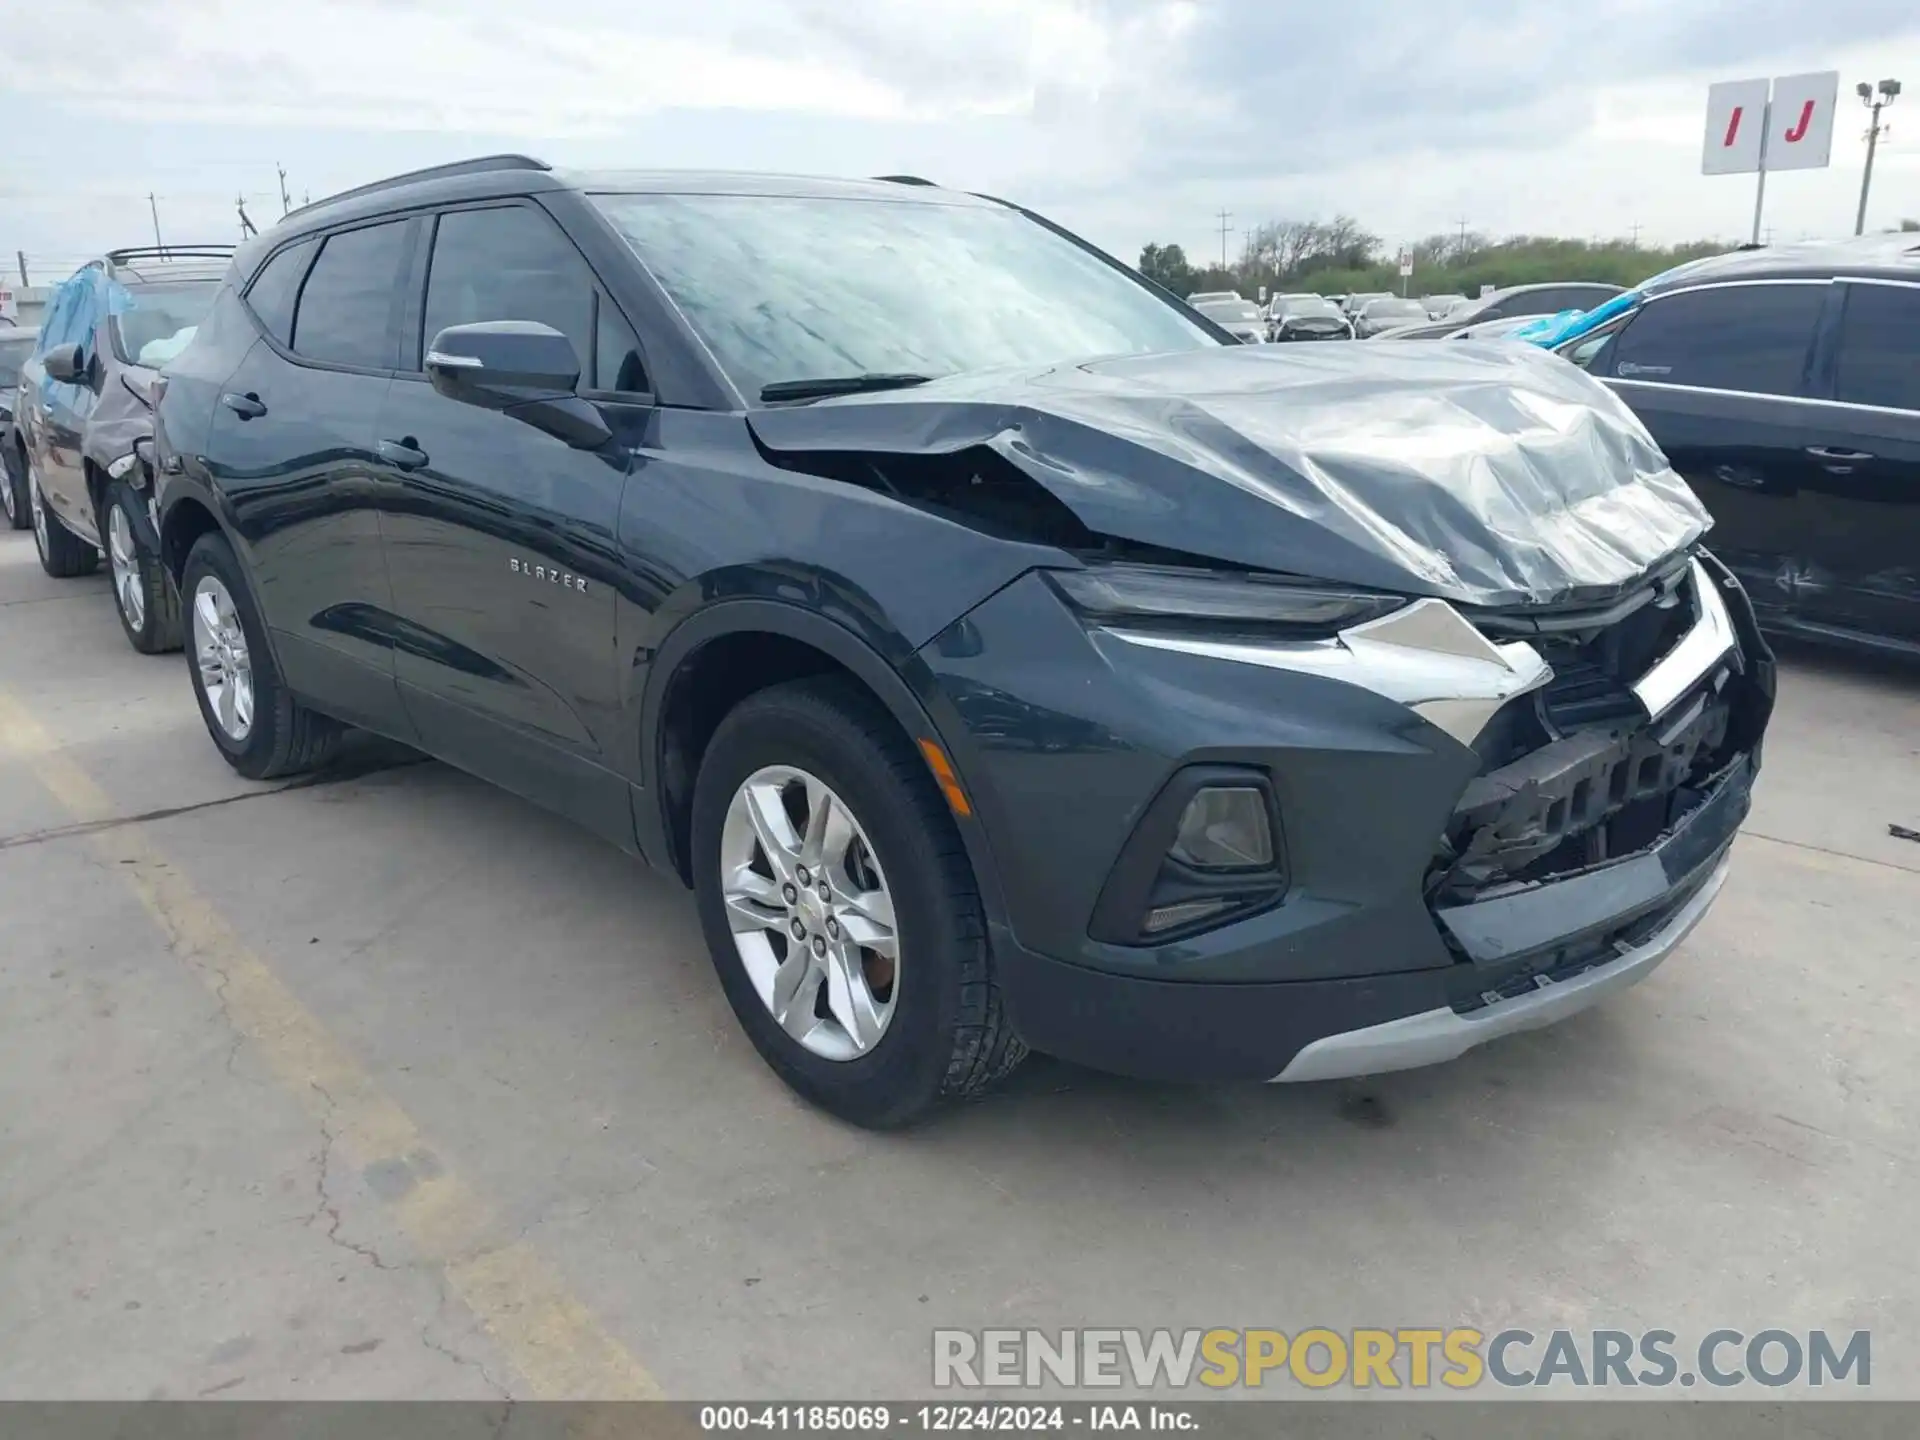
<point x="170" y="252"/>
<point x="906" y="180"/>
<point x="481" y="165"/>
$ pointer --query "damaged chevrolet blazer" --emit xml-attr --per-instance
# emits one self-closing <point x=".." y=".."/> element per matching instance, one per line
<point x="1004" y="657"/>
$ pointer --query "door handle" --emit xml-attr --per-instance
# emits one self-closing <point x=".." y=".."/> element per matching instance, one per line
<point x="402" y="454"/>
<point x="247" y="407"/>
<point x="1824" y="452"/>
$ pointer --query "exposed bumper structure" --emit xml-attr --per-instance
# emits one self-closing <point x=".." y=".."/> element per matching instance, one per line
<point x="1441" y="1034"/>
<point x="1454" y="872"/>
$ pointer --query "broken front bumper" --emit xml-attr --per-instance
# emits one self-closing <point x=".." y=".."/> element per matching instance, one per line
<point x="1065" y="732"/>
<point x="1551" y="951"/>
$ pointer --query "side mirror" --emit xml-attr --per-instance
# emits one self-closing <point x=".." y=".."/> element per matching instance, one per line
<point x="66" y="363"/>
<point x="525" y="370"/>
<point x="502" y="363"/>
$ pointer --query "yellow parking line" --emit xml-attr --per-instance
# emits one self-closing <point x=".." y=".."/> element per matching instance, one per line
<point x="553" y="1340"/>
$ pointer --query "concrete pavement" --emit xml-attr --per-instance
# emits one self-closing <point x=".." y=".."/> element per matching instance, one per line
<point x="394" y="1086"/>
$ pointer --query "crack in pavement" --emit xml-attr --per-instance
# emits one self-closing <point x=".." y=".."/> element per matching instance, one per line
<point x="325" y="1206"/>
<point x="317" y="781"/>
<point x="1829" y="850"/>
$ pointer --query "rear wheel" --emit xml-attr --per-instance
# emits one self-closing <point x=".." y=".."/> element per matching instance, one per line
<point x="261" y="729"/>
<point x="143" y="592"/>
<point x="63" y="554"/>
<point x="840" y="909"/>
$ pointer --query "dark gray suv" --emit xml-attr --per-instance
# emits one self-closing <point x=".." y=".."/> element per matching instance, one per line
<point x="85" y="412"/>
<point x="1003" y="656"/>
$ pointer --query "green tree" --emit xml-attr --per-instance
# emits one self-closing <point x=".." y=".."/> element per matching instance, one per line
<point x="1167" y="265"/>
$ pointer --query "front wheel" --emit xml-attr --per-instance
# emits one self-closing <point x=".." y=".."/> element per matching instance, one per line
<point x="256" y="722"/>
<point x="840" y="909"/>
<point x="143" y="592"/>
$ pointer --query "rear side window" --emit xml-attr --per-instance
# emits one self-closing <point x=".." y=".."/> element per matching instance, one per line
<point x="276" y="287"/>
<point x="1752" y="338"/>
<point x="1879" y="362"/>
<point x="509" y="264"/>
<point x="346" y="310"/>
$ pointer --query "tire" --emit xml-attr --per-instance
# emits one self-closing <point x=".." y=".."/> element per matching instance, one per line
<point x="63" y="554"/>
<point x="143" y="592"/>
<point x="280" y="735"/>
<point x="948" y="1034"/>
<point x="13" y="487"/>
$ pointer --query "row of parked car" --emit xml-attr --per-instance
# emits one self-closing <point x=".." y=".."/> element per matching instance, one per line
<point x="987" y="701"/>
<point x="1370" y="315"/>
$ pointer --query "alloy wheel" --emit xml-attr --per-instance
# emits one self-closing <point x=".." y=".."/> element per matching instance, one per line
<point x="811" y="915"/>
<point x="221" y="657"/>
<point x="125" y="560"/>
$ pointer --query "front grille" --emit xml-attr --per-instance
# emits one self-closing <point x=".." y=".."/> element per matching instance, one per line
<point x="1575" y="774"/>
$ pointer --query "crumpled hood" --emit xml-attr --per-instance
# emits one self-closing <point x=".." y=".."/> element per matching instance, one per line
<point x="1488" y="475"/>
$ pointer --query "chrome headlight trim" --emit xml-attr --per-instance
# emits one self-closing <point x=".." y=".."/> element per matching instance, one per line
<point x="1699" y="650"/>
<point x="1426" y="657"/>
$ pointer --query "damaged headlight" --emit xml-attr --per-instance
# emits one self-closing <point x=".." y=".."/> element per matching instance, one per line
<point x="1237" y="599"/>
<point x="121" y="468"/>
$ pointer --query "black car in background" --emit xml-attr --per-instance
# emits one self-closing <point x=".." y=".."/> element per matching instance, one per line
<point x="1002" y="656"/>
<point x="1784" y="384"/>
<point x="86" y="404"/>
<point x="1306" y="317"/>
<point x="1511" y="304"/>
<point x="16" y="344"/>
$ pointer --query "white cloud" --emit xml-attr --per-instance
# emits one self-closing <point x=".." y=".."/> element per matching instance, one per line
<point x="1130" y="119"/>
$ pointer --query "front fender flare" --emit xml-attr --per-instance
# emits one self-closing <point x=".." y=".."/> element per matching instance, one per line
<point x="653" y="826"/>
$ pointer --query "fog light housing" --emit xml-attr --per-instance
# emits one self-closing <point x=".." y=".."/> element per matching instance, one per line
<point x="1224" y="828"/>
<point x="1208" y="851"/>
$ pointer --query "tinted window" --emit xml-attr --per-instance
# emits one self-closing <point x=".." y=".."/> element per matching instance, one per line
<point x="616" y="361"/>
<point x="1730" y="337"/>
<point x="275" y="288"/>
<point x="1880" y="347"/>
<point x="345" y="315"/>
<point x="510" y="264"/>
<point x="798" y="287"/>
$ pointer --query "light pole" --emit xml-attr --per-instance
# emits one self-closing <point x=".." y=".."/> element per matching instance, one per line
<point x="1889" y="92"/>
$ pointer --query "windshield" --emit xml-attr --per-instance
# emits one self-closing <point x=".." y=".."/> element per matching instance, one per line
<point x="1308" y="305"/>
<point x="1229" y="311"/>
<point x="154" y="322"/>
<point x="797" y="287"/>
<point x="14" y="350"/>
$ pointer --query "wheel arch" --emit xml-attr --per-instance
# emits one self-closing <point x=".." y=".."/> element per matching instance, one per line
<point x="187" y="514"/>
<point x="804" y="643"/>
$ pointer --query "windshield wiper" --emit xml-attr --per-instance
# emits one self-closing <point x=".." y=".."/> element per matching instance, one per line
<point x="821" y="386"/>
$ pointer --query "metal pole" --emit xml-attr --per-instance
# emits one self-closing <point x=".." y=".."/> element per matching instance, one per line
<point x="21" y="256"/>
<point x="154" y="205"/>
<point x="1760" y="193"/>
<point x="1866" y="180"/>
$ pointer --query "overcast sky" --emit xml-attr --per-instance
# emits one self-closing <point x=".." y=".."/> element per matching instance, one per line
<point x="1129" y="120"/>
